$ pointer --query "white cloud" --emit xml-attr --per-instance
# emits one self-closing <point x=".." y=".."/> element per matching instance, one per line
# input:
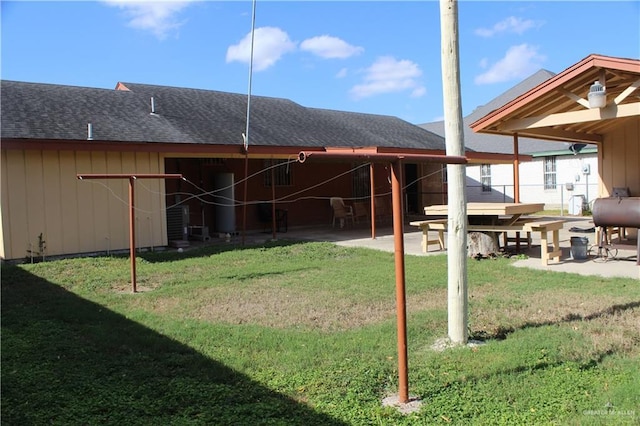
<point x="508" y="25"/>
<point x="330" y="47"/>
<point x="519" y="62"/>
<point x="388" y="75"/>
<point x="342" y="73"/>
<point x="158" y="17"/>
<point x="269" y="45"/>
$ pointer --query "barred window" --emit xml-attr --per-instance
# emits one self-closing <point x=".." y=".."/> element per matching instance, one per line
<point x="485" y="177"/>
<point x="281" y="171"/>
<point x="550" y="173"/>
<point x="361" y="182"/>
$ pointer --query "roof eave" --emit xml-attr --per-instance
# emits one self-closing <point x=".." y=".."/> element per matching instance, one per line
<point x="592" y="61"/>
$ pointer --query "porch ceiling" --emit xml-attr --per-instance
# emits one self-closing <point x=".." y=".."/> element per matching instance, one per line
<point x="558" y="108"/>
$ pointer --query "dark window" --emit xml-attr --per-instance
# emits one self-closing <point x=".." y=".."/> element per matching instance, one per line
<point x="281" y="171"/>
<point x="361" y="182"/>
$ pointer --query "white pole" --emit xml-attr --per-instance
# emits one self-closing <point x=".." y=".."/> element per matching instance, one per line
<point x="253" y="25"/>
<point x="457" y="198"/>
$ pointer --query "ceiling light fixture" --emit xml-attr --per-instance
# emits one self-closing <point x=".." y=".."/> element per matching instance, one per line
<point x="597" y="95"/>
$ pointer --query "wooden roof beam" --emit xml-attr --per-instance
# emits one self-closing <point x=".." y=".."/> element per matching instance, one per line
<point x="626" y="92"/>
<point x="572" y="117"/>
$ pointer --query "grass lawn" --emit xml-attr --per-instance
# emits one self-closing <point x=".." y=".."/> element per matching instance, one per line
<point x="305" y="334"/>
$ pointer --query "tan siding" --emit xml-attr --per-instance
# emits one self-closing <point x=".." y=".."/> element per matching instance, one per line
<point x="158" y="162"/>
<point x="17" y="203"/>
<point x="148" y="212"/>
<point x="621" y="158"/>
<point x="52" y="199"/>
<point x="41" y="193"/>
<point x="632" y="136"/>
<point x="100" y="203"/>
<point x="85" y="205"/>
<point x="35" y="198"/>
<point x="618" y="163"/>
<point x="5" y="238"/>
<point x="118" y="201"/>
<point x="70" y="220"/>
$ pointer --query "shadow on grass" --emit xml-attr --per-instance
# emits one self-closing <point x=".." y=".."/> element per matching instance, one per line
<point x="209" y="249"/>
<point x="66" y="360"/>
<point x="502" y="333"/>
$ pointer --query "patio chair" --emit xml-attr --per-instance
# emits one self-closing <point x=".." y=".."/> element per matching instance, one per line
<point x="361" y="211"/>
<point x="342" y="212"/>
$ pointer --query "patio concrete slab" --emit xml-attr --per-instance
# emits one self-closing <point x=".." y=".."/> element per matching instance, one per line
<point x="620" y="262"/>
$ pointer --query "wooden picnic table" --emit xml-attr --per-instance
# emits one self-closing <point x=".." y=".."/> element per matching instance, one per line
<point x="504" y="214"/>
<point x="497" y="218"/>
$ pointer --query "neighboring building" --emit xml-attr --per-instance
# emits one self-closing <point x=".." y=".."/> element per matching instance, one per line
<point x="52" y="133"/>
<point x="554" y="166"/>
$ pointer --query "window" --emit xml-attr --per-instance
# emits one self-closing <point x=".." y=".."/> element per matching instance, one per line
<point x="485" y="177"/>
<point x="549" y="172"/>
<point x="361" y="181"/>
<point x="281" y="171"/>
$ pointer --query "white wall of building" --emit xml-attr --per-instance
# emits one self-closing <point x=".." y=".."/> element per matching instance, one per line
<point x="579" y="170"/>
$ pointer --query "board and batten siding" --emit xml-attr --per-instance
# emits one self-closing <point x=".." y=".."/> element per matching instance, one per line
<point x="42" y="195"/>
<point x="620" y="159"/>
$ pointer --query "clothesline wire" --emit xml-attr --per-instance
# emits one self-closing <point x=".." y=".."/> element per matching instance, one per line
<point x="234" y="203"/>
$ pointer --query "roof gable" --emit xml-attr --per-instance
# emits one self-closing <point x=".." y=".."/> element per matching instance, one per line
<point x="557" y="109"/>
<point x="498" y="143"/>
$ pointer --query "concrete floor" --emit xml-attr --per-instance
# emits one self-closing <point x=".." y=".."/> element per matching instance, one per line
<point x="620" y="264"/>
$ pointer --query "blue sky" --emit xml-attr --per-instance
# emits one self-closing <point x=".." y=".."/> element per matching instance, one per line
<point x="377" y="57"/>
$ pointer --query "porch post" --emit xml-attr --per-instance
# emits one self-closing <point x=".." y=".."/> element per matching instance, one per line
<point x="516" y="170"/>
<point x="401" y="308"/>
<point x="372" y="183"/>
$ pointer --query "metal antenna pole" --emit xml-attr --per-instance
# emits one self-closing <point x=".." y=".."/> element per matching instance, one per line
<point x="245" y="135"/>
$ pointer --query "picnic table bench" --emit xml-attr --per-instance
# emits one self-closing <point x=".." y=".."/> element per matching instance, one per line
<point x="525" y="225"/>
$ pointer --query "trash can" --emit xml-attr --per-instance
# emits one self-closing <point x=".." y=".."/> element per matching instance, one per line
<point x="579" y="247"/>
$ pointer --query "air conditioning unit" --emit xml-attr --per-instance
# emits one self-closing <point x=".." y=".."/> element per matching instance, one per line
<point x="178" y="223"/>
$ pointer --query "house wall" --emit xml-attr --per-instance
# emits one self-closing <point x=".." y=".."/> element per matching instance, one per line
<point x="306" y="199"/>
<point x="432" y="188"/>
<point x="619" y="161"/>
<point x="41" y="195"/>
<point x="569" y="169"/>
<point x="619" y="158"/>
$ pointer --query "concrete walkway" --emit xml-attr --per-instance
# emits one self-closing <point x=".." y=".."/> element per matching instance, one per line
<point x="620" y="264"/>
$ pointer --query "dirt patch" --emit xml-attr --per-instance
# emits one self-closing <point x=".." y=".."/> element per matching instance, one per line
<point x="611" y="323"/>
<point x="272" y="306"/>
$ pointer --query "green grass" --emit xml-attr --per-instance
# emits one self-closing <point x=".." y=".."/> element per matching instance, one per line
<point x="305" y="334"/>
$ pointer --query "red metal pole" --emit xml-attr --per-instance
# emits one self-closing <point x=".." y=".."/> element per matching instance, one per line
<point x="273" y="203"/>
<point x="373" y="201"/>
<point x="516" y="181"/>
<point x="132" y="233"/>
<point x="398" y="238"/>
<point x="132" y="215"/>
<point x="516" y="170"/>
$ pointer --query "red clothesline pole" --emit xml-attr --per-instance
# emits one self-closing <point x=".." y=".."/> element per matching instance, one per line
<point x="132" y="216"/>
<point x="396" y="161"/>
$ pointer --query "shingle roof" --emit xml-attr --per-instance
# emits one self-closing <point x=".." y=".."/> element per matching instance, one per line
<point x="497" y="143"/>
<point x="193" y="116"/>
